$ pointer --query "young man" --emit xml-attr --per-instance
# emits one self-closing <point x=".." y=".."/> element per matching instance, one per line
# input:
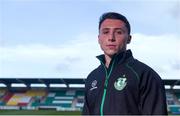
<point x="121" y="85"/>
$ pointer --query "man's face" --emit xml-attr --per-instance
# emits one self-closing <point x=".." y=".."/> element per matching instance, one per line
<point x="113" y="36"/>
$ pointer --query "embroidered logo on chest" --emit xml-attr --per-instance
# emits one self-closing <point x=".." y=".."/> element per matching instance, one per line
<point x="120" y="83"/>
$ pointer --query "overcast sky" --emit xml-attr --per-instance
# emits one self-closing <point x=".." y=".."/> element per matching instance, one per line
<point x="58" y="38"/>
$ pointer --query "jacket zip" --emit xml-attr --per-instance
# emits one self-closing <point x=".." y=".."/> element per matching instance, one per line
<point x="105" y="85"/>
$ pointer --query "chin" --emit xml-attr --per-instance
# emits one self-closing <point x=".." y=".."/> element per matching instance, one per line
<point x="110" y="53"/>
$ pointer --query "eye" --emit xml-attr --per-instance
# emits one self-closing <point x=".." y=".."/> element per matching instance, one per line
<point x="119" y="32"/>
<point x="105" y="32"/>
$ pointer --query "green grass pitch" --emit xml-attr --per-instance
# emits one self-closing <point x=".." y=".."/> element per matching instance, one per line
<point x="38" y="112"/>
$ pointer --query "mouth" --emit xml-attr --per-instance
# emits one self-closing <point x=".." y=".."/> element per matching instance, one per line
<point x="111" y="46"/>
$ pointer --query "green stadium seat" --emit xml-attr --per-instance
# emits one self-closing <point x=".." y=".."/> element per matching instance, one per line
<point x="175" y="109"/>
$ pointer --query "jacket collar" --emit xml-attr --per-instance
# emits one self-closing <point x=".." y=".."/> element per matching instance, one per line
<point x="119" y="58"/>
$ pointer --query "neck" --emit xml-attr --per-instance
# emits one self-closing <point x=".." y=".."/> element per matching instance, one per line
<point x="108" y="60"/>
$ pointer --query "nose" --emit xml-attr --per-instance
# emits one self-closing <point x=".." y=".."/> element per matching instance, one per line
<point x="112" y="37"/>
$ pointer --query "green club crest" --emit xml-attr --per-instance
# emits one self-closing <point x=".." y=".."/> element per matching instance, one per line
<point x="120" y="83"/>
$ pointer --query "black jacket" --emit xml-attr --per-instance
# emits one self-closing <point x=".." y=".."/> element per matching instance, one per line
<point x="126" y="87"/>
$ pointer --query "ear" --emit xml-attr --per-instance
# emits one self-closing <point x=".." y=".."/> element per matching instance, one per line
<point x="98" y="39"/>
<point x="129" y="39"/>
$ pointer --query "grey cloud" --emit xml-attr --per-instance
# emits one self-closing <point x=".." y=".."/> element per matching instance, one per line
<point x="72" y="59"/>
<point x="175" y="11"/>
<point x="176" y="65"/>
<point x="62" y="67"/>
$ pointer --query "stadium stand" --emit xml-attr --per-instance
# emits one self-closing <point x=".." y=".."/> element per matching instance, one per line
<point x="172" y="96"/>
<point x="64" y="98"/>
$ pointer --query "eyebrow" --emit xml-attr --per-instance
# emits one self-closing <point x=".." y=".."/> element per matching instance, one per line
<point x="103" y="29"/>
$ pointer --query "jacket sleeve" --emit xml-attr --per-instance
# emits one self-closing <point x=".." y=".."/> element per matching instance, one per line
<point x="85" y="110"/>
<point x="152" y="95"/>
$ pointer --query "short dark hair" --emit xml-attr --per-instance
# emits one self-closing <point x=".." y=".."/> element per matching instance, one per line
<point x="114" y="15"/>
